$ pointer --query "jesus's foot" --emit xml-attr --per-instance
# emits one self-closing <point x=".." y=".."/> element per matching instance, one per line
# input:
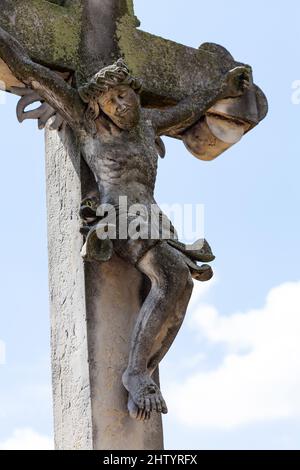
<point x="135" y="412"/>
<point x="144" y="396"/>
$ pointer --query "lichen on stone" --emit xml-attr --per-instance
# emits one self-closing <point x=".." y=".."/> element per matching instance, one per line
<point x="49" y="32"/>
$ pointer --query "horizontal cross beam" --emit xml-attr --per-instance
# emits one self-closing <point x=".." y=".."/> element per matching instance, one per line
<point x="85" y="35"/>
<point x="50" y="33"/>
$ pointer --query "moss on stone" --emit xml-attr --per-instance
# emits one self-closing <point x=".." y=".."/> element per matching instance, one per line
<point x="170" y="71"/>
<point x="165" y="66"/>
<point x="51" y="33"/>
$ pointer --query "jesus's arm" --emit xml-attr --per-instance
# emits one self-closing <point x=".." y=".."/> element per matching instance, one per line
<point x="50" y="86"/>
<point x="188" y="111"/>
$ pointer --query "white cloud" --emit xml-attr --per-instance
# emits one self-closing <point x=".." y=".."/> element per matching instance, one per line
<point x="259" y="375"/>
<point x="27" y="439"/>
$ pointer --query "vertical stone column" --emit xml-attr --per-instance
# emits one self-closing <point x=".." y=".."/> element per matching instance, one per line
<point x="93" y="310"/>
<point x="70" y="371"/>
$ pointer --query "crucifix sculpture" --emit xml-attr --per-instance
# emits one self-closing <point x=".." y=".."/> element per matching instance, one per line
<point x="111" y="93"/>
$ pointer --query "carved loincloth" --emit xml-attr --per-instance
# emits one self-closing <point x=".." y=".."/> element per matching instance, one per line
<point x="97" y="248"/>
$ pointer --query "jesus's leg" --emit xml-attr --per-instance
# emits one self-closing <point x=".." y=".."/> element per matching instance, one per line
<point x="158" y="322"/>
<point x="161" y="347"/>
<point x="164" y="342"/>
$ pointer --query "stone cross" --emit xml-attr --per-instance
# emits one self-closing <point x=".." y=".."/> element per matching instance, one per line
<point x="94" y="305"/>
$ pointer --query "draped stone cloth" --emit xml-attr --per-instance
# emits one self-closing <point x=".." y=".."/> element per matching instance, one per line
<point x="104" y="238"/>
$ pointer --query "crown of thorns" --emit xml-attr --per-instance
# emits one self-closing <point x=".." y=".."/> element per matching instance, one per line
<point x="109" y="77"/>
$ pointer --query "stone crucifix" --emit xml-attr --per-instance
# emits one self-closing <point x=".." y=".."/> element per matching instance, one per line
<point x="112" y="91"/>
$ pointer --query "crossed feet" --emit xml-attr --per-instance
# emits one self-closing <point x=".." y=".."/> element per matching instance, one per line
<point x="144" y="396"/>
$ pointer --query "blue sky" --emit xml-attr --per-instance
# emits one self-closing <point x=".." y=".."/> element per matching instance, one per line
<point x="238" y="346"/>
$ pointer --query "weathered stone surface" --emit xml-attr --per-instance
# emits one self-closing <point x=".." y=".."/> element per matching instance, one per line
<point x="99" y="50"/>
<point x="51" y="33"/>
<point x="67" y="37"/>
<point x="112" y="308"/>
<point x="70" y="371"/>
<point x="92" y="315"/>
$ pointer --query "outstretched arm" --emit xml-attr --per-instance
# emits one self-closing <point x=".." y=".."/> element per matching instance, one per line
<point x="50" y="86"/>
<point x="188" y="111"/>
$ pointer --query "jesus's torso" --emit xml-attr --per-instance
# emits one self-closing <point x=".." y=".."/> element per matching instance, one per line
<point x="124" y="163"/>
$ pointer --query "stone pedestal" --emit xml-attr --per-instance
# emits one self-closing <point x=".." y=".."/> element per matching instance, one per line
<point x="93" y="309"/>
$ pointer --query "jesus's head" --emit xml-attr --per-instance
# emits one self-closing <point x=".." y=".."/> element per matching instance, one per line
<point x="116" y="93"/>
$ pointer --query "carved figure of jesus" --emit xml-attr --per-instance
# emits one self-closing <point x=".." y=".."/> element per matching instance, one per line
<point x="117" y="138"/>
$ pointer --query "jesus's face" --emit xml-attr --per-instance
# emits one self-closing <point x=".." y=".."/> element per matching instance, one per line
<point x="122" y="105"/>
